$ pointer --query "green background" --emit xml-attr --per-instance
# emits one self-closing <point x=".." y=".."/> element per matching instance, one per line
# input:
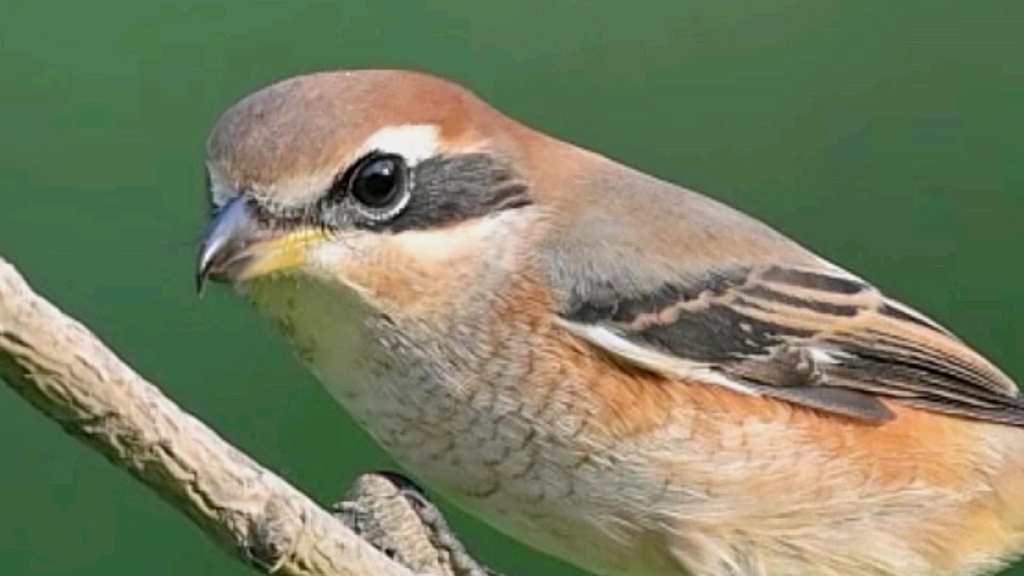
<point x="888" y="136"/>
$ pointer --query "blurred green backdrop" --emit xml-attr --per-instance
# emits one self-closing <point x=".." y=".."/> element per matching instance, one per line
<point x="889" y="136"/>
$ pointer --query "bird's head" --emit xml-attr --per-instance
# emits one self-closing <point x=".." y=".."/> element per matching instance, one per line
<point x="395" y="184"/>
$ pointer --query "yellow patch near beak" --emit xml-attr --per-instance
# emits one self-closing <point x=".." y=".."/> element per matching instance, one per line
<point x="237" y="246"/>
<point x="278" y="254"/>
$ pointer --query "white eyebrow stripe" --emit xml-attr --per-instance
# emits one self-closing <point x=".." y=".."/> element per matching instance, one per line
<point x="413" y="142"/>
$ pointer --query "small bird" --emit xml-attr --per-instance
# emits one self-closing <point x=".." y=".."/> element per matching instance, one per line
<point x="610" y="368"/>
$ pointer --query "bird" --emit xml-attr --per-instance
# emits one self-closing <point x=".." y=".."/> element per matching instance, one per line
<point x="608" y="367"/>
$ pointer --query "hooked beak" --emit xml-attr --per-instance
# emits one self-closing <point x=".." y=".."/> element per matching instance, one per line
<point x="239" y="246"/>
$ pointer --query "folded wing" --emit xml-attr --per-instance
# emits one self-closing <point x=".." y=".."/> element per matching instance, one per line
<point x="816" y="337"/>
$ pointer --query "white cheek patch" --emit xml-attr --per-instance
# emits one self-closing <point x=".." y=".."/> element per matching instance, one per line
<point x="414" y="142"/>
<point x="447" y="244"/>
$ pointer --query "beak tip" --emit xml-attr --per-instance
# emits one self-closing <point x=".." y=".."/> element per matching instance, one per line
<point x="221" y="239"/>
<point x="203" y="269"/>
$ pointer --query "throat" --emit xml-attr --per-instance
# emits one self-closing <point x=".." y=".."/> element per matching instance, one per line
<point x="323" y="324"/>
<point x="347" y="345"/>
<point x="384" y="375"/>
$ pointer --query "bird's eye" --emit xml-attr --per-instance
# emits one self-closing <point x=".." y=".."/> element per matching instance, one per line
<point x="378" y="181"/>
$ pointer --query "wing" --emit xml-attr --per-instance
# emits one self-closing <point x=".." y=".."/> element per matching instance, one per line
<point x="679" y="284"/>
<point x="819" y="338"/>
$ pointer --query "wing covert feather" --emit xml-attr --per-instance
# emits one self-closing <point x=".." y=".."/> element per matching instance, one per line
<point x="816" y="337"/>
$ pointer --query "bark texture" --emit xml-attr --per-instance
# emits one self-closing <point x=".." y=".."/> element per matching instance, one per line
<point x="64" y="370"/>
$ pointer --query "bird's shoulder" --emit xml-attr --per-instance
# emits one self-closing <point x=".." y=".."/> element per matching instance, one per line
<point x="677" y="283"/>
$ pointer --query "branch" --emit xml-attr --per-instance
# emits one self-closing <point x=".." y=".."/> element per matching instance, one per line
<point x="63" y="370"/>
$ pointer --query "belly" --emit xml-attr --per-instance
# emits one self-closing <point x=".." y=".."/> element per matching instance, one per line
<point x="751" y="498"/>
<point x="480" y="443"/>
<point x="520" y="463"/>
<point x="652" y="479"/>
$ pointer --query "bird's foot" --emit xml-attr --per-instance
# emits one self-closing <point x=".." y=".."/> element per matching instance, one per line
<point x="390" y="512"/>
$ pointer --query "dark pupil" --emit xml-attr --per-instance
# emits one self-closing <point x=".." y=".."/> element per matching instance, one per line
<point x="376" y="183"/>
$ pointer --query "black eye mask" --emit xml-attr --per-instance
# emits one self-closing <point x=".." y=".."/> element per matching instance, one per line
<point x="451" y="189"/>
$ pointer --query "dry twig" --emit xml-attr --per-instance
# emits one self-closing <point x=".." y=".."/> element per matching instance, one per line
<point x="63" y="370"/>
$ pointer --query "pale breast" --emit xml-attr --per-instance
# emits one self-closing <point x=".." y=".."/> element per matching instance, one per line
<point x="462" y="418"/>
